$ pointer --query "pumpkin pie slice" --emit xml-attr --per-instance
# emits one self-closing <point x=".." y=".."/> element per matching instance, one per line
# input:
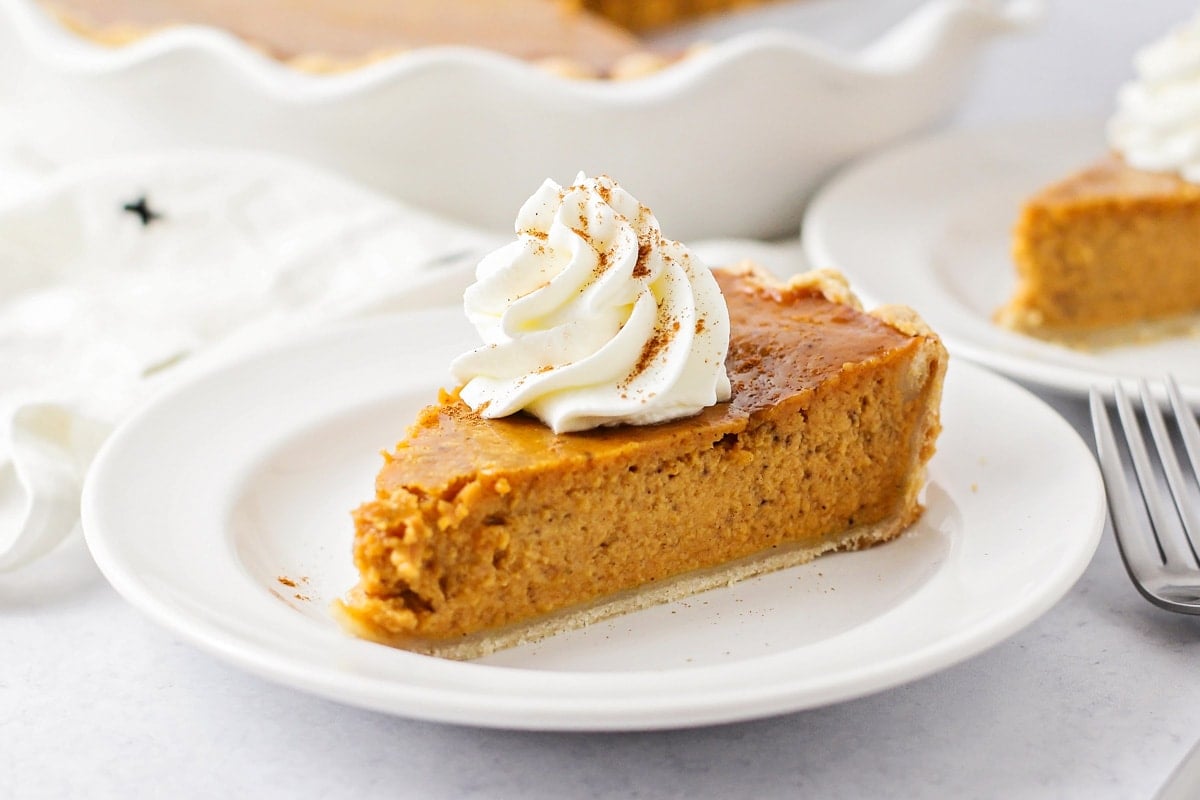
<point x="1108" y="255"/>
<point x="486" y="533"/>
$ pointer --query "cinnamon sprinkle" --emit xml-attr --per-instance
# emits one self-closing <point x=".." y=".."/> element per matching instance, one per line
<point x="641" y="269"/>
<point x="650" y="351"/>
<point x="601" y="263"/>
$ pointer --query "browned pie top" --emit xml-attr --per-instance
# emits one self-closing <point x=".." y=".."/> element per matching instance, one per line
<point x="1111" y="178"/>
<point x="354" y="29"/>
<point x="783" y="343"/>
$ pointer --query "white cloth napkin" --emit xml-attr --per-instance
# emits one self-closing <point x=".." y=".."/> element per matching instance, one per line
<point x="119" y="276"/>
<point x="100" y="304"/>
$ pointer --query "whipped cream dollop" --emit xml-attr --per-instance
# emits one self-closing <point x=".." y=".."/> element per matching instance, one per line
<point x="592" y="318"/>
<point x="1157" y="123"/>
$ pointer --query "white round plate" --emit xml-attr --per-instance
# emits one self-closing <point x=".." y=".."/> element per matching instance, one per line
<point x="212" y="500"/>
<point x="929" y="225"/>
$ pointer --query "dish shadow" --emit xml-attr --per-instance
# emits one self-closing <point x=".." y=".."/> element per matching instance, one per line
<point x="58" y="578"/>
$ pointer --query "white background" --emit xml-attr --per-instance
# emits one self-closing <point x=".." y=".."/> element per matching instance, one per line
<point x="1098" y="699"/>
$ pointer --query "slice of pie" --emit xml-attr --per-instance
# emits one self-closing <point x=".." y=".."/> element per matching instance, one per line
<point x="485" y="533"/>
<point x="1110" y="254"/>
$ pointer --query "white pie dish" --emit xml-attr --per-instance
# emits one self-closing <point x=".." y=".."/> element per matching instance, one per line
<point x="729" y="142"/>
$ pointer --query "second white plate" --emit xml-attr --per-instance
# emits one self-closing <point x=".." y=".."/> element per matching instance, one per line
<point x="929" y="225"/>
<point x="221" y="509"/>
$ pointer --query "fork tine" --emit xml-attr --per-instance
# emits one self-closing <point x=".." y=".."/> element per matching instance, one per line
<point x="1140" y="557"/>
<point x="1175" y="549"/>
<point x="1190" y="433"/>
<point x="1187" y="423"/>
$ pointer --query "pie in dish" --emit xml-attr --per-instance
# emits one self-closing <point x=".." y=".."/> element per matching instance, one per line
<point x="486" y="533"/>
<point x="1108" y="255"/>
<point x="330" y="35"/>
<point x="645" y="14"/>
<point x="579" y="38"/>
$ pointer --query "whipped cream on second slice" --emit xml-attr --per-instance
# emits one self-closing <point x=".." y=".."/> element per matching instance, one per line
<point x="592" y="318"/>
<point x="1157" y="124"/>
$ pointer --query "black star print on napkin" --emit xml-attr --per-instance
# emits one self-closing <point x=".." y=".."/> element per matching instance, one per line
<point x="142" y="209"/>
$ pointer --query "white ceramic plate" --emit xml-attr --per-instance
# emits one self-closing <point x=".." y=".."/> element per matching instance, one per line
<point x="929" y="224"/>
<point x="209" y="495"/>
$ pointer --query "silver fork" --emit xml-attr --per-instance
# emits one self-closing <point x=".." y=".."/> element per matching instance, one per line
<point x="1155" y="516"/>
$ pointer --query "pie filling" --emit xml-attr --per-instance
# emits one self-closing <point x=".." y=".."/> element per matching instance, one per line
<point x="1109" y="255"/>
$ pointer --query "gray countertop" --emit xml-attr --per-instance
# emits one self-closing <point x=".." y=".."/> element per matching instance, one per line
<point x="1097" y="699"/>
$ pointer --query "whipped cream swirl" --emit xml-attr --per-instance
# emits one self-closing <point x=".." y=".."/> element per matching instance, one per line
<point x="592" y="318"/>
<point x="1157" y="124"/>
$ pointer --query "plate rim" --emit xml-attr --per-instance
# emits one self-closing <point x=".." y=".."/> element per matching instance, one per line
<point x="735" y="702"/>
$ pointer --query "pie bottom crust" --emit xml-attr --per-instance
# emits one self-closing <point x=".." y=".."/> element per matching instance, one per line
<point x="1141" y="332"/>
<point x="484" y="643"/>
